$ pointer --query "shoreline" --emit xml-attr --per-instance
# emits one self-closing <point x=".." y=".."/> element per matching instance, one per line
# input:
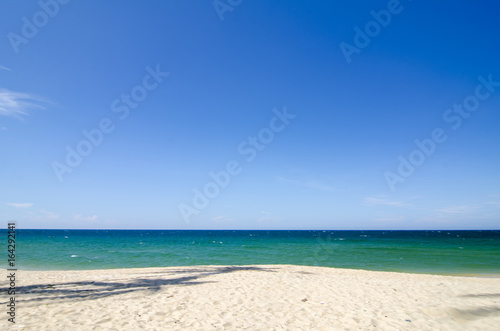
<point x="468" y="274"/>
<point x="253" y="297"/>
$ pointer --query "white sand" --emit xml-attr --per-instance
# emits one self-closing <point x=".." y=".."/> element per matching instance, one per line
<point x="251" y="298"/>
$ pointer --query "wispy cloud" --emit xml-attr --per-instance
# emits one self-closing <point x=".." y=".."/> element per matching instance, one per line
<point x="464" y="209"/>
<point x="494" y="200"/>
<point x="16" y="104"/>
<point x="4" y="68"/>
<point x="383" y="201"/>
<point x="390" y="219"/>
<point x="41" y="215"/>
<point x="48" y="215"/>
<point x="223" y="219"/>
<point x="81" y="218"/>
<point x="19" y="205"/>
<point x="268" y="217"/>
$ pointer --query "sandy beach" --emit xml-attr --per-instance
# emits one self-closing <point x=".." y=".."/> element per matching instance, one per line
<point x="267" y="297"/>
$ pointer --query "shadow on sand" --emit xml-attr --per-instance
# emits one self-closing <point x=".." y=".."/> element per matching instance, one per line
<point x="134" y="282"/>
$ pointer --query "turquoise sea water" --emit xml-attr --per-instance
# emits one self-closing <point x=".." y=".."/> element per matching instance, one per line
<point x="436" y="252"/>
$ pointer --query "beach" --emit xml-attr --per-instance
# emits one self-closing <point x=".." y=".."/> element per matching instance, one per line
<point x="257" y="297"/>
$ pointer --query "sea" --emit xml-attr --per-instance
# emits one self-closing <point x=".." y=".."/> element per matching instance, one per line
<point x="433" y="252"/>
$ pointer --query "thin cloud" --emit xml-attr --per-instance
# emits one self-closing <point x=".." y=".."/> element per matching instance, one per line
<point x="41" y="215"/>
<point x="390" y="219"/>
<point x="268" y="217"/>
<point x="49" y="214"/>
<point x="386" y="202"/>
<point x="495" y="200"/>
<point x="4" y="68"/>
<point x="19" y="205"/>
<point x="81" y="218"/>
<point x="16" y="104"/>
<point x="222" y="219"/>
<point x="464" y="209"/>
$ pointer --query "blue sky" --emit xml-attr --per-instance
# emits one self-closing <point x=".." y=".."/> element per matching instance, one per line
<point x="250" y="114"/>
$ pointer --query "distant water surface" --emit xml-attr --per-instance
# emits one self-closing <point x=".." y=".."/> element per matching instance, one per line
<point x="436" y="252"/>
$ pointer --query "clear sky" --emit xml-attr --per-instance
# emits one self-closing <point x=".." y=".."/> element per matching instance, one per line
<point x="250" y="114"/>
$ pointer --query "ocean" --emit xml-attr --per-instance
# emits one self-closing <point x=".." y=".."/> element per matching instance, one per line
<point x="433" y="252"/>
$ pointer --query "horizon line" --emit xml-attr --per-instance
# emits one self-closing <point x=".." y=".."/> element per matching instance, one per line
<point x="261" y="229"/>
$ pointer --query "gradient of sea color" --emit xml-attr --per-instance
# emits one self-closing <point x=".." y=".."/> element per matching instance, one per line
<point x="436" y="252"/>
